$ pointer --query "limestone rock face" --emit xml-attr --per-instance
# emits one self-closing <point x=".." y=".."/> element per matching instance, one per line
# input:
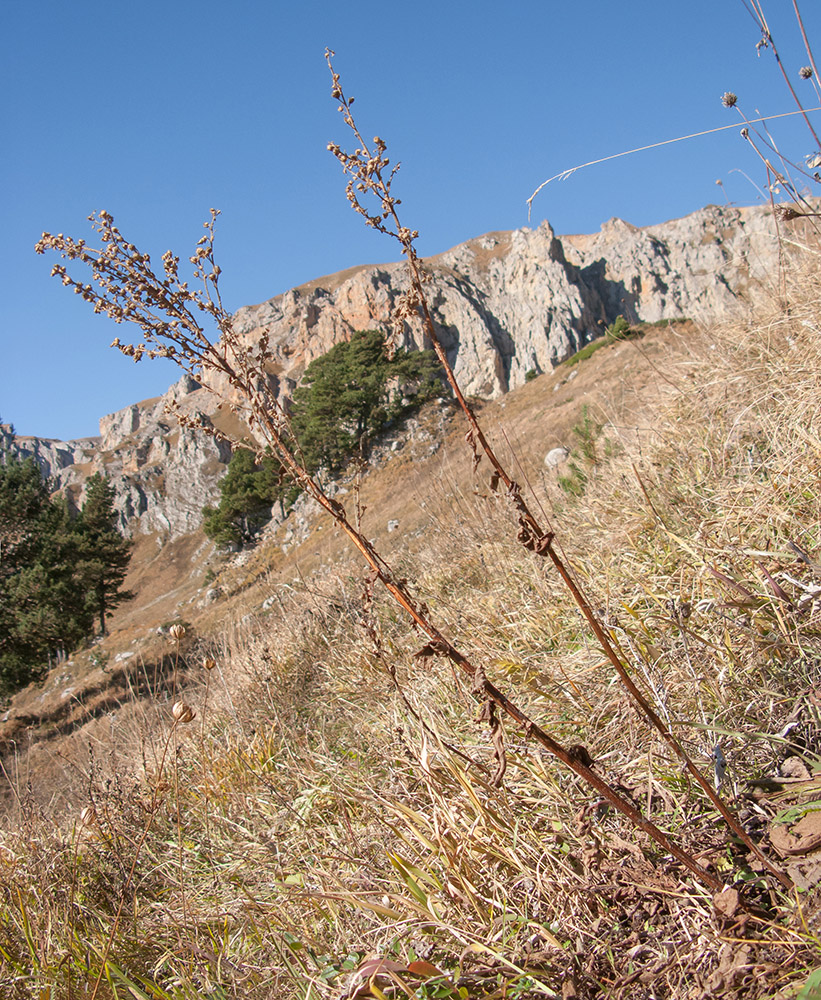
<point x="163" y="474"/>
<point x="503" y="304"/>
<point x="508" y="303"/>
<point x="53" y="457"/>
<point x="703" y="266"/>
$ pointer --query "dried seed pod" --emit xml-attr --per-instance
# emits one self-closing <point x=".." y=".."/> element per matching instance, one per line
<point x="787" y="213"/>
<point x="182" y="713"/>
<point x="88" y="816"/>
<point x="177" y="632"/>
<point x="208" y="663"/>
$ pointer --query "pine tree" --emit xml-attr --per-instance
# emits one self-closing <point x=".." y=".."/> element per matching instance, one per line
<point x="42" y="607"/>
<point x="346" y="397"/>
<point x="351" y="393"/>
<point x="23" y="495"/>
<point x="248" y="491"/>
<point x="104" y="553"/>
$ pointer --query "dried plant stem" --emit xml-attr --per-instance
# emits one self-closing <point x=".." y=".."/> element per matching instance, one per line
<point x="569" y="171"/>
<point x="806" y="40"/>
<point x="152" y="811"/>
<point x="535" y="538"/>
<point x="440" y="645"/>
<point x="167" y="312"/>
<point x="757" y="13"/>
<point x="366" y="168"/>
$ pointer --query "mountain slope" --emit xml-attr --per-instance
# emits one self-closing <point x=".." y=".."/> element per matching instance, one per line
<point x="506" y="305"/>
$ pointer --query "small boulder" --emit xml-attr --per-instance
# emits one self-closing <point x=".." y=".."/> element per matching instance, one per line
<point x="555" y="457"/>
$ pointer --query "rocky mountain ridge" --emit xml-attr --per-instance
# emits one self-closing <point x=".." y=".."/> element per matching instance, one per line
<point x="505" y="304"/>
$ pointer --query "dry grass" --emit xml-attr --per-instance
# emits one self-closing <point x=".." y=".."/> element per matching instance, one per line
<point x="331" y="806"/>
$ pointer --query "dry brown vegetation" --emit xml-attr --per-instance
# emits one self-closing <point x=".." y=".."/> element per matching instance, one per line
<point x="327" y="825"/>
<point x="598" y="775"/>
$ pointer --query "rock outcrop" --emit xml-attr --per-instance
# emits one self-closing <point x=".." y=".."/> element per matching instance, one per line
<point x="163" y="474"/>
<point x="504" y="304"/>
<point x="59" y="461"/>
<point x="508" y="303"/>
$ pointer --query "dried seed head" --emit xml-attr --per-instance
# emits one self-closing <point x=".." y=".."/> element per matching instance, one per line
<point x="728" y="99"/>
<point x="88" y="816"/>
<point x="787" y="213"/>
<point x="805" y="72"/>
<point x="182" y="713"/>
<point x="177" y="632"/>
<point x="209" y="664"/>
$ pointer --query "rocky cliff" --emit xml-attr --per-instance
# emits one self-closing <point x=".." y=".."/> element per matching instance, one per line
<point x="507" y="303"/>
<point x="163" y="474"/>
<point x="504" y="304"/>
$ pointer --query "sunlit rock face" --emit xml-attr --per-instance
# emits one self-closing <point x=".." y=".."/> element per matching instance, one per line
<point x="507" y="303"/>
<point x="503" y="304"/>
<point x="163" y="474"/>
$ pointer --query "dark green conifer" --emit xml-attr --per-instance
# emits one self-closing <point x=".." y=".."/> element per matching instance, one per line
<point x="353" y="392"/>
<point x="104" y="553"/>
<point x="42" y="602"/>
<point x="248" y="492"/>
<point x="346" y="398"/>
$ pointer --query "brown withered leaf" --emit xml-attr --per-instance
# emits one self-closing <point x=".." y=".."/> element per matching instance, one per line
<point x="726" y="903"/>
<point x="422" y="968"/>
<point x="543" y="544"/>
<point x="806" y="875"/>
<point x="580" y="753"/>
<point x="803" y="837"/>
<point x="436" y="647"/>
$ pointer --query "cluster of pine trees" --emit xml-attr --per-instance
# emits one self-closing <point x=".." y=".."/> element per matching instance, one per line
<point x="61" y="573"/>
<point x="346" y="398"/>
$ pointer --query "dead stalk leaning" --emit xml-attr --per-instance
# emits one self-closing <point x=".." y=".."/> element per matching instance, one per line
<point x="366" y="169"/>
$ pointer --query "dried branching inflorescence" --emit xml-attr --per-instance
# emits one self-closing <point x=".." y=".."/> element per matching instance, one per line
<point x="170" y="313"/>
<point x="368" y="190"/>
<point x="126" y="287"/>
<point x="366" y="169"/>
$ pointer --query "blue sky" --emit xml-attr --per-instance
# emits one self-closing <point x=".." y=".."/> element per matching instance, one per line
<point x="160" y="110"/>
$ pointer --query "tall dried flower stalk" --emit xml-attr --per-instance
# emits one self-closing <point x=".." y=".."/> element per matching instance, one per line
<point x="369" y="191"/>
<point x="165" y="309"/>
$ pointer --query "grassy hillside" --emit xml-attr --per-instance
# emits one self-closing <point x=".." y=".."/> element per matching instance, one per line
<point x="328" y="825"/>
